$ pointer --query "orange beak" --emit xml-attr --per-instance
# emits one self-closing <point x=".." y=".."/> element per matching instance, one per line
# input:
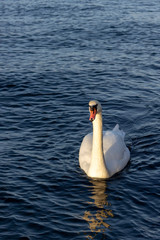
<point x="92" y="114"/>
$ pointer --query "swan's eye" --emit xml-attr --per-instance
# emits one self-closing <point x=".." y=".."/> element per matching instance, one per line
<point x="93" y="107"/>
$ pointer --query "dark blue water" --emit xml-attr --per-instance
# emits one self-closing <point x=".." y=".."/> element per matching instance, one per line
<point x="55" y="56"/>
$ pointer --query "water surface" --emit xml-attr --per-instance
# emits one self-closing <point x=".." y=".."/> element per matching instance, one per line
<point x="55" y="57"/>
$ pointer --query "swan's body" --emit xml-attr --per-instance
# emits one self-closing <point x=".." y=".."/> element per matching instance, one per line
<point x="102" y="154"/>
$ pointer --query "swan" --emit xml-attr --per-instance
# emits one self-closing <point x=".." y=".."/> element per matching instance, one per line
<point x="102" y="153"/>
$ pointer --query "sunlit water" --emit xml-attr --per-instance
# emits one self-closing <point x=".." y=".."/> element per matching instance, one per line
<point x="55" y="57"/>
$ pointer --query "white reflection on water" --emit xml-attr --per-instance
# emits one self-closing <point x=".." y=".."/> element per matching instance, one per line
<point x="98" y="217"/>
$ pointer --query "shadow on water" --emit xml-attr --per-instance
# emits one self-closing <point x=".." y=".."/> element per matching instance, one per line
<point x="100" y="210"/>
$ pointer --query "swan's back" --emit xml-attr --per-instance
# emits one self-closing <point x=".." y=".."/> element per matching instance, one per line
<point x="85" y="152"/>
<point x="116" y="154"/>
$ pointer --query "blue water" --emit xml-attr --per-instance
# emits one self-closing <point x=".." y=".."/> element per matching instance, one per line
<point x="55" y="56"/>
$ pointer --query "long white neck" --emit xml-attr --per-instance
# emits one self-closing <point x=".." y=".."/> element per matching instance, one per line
<point x="97" y="167"/>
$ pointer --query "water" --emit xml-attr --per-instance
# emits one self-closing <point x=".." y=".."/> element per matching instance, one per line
<point x="55" y="57"/>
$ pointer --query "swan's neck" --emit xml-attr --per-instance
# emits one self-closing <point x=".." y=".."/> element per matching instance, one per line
<point x="97" y="167"/>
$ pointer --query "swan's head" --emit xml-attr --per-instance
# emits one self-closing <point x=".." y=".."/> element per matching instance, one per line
<point x="94" y="108"/>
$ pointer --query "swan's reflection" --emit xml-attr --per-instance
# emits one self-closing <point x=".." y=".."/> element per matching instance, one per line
<point x="97" y="218"/>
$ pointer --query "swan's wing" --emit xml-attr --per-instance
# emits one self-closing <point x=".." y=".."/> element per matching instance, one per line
<point x="119" y="132"/>
<point x="85" y="152"/>
<point x="116" y="153"/>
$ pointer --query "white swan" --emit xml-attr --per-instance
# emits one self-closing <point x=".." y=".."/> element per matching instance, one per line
<point x="102" y="154"/>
